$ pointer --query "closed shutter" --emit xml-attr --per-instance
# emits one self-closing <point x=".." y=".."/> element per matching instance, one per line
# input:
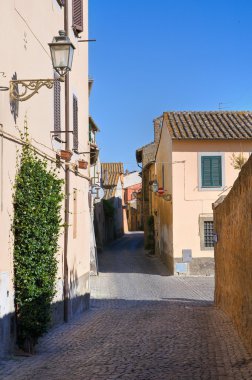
<point x="57" y="121"/>
<point x="211" y="173"/>
<point x="77" y="16"/>
<point x="75" y="123"/>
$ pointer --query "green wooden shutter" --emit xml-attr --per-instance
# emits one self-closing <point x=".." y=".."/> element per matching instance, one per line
<point x="211" y="173"/>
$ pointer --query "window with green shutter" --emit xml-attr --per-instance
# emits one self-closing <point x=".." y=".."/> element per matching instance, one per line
<point x="211" y="171"/>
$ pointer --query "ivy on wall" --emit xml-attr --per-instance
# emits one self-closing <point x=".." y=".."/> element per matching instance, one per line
<point x="36" y="227"/>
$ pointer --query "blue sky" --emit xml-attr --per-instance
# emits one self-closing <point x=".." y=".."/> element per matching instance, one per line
<point x="153" y="56"/>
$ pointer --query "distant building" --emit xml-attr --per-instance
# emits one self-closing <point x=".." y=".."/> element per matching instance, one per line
<point x="146" y="156"/>
<point x="133" y="187"/>
<point x="96" y="209"/>
<point x="113" y="201"/>
<point x="195" y="164"/>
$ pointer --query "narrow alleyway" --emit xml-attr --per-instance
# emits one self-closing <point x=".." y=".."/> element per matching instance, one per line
<point x="142" y="324"/>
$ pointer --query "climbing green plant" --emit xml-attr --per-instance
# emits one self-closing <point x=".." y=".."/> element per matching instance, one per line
<point x="36" y="228"/>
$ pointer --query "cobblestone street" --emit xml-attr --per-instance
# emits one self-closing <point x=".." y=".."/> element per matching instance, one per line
<point x="142" y="324"/>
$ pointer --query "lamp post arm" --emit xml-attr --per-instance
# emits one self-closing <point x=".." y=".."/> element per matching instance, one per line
<point x="32" y="85"/>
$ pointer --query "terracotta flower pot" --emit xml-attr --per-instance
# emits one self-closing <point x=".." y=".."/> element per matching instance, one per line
<point x="83" y="164"/>
<point x="160" y="191"/>
<point x="65" y="154"/>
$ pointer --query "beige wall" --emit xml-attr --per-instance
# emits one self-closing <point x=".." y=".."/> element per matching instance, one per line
<point x="233" y="253"/>
<point x="28" y="26"/>
<point x="178" y="222"/>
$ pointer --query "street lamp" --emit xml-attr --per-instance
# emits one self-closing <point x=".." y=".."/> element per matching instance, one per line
<point x="62" y="51"/>
<point x="154" y="186"/>
<point x="62" y="57"/>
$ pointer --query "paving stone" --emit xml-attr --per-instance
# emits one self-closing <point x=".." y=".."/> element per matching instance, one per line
<point x="142" y="324"/>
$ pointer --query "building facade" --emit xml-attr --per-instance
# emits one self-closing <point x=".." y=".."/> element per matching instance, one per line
<point x="113" y="201"/>
<point x="132" y="189"/>
<point x="195" y="164"/>
<point x="146" y="156"/>
<point x="47" y="115"/>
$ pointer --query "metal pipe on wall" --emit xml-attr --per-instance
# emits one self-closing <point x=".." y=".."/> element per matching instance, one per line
<point x="1" y="167"/>
<point x="67" y="185"/>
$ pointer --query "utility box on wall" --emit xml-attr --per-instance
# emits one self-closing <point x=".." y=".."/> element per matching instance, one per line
<point x="186" y="255"/>
<point x="181" y="268"/>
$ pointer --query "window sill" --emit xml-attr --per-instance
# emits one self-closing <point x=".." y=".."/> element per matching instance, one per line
<point x="211" y="188"/>
<point x="207" y="249"/>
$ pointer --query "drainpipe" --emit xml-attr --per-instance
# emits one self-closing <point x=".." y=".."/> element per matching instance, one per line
<point x="67" y="187"/>
<point x="1" y="170"/>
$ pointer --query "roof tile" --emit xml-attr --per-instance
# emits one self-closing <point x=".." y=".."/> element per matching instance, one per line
<point x="210" y="125"/>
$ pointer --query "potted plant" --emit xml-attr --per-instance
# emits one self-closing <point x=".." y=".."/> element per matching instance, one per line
<point x="65" y="154"/>
<point x="82" y="164"/>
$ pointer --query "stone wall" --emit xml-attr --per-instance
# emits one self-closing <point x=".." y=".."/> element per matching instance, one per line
<point x="149" y="153"/>
<point x="157" y="129"/>
<point x="233" y="253"/>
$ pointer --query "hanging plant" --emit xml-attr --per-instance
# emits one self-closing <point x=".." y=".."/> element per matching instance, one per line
<point x="83" y="164"/>
<point x="65" y="154"/>
<point x="36" y="227"/>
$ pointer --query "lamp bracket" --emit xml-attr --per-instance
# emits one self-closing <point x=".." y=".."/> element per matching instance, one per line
<point x="92" y="40"/>
<point x="55" y="135"/>
<point x="83" y="152"/>
<point x="57" y="132"/>
<point x="32" y="85"/>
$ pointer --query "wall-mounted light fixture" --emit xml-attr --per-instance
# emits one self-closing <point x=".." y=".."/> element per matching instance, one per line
<point x="62" y="57"/>
<point x="154" y="186"/>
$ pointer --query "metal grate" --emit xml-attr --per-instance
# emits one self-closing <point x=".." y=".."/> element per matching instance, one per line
<point x="208" y="234"/>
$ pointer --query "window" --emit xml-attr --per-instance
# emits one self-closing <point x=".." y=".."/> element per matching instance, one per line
<point x="206" y="228"/>
<point x="211" y="171"/>
<point x="75" y="123"/>
<point x="77" y="10"/>
<point x="208" y="234"/>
